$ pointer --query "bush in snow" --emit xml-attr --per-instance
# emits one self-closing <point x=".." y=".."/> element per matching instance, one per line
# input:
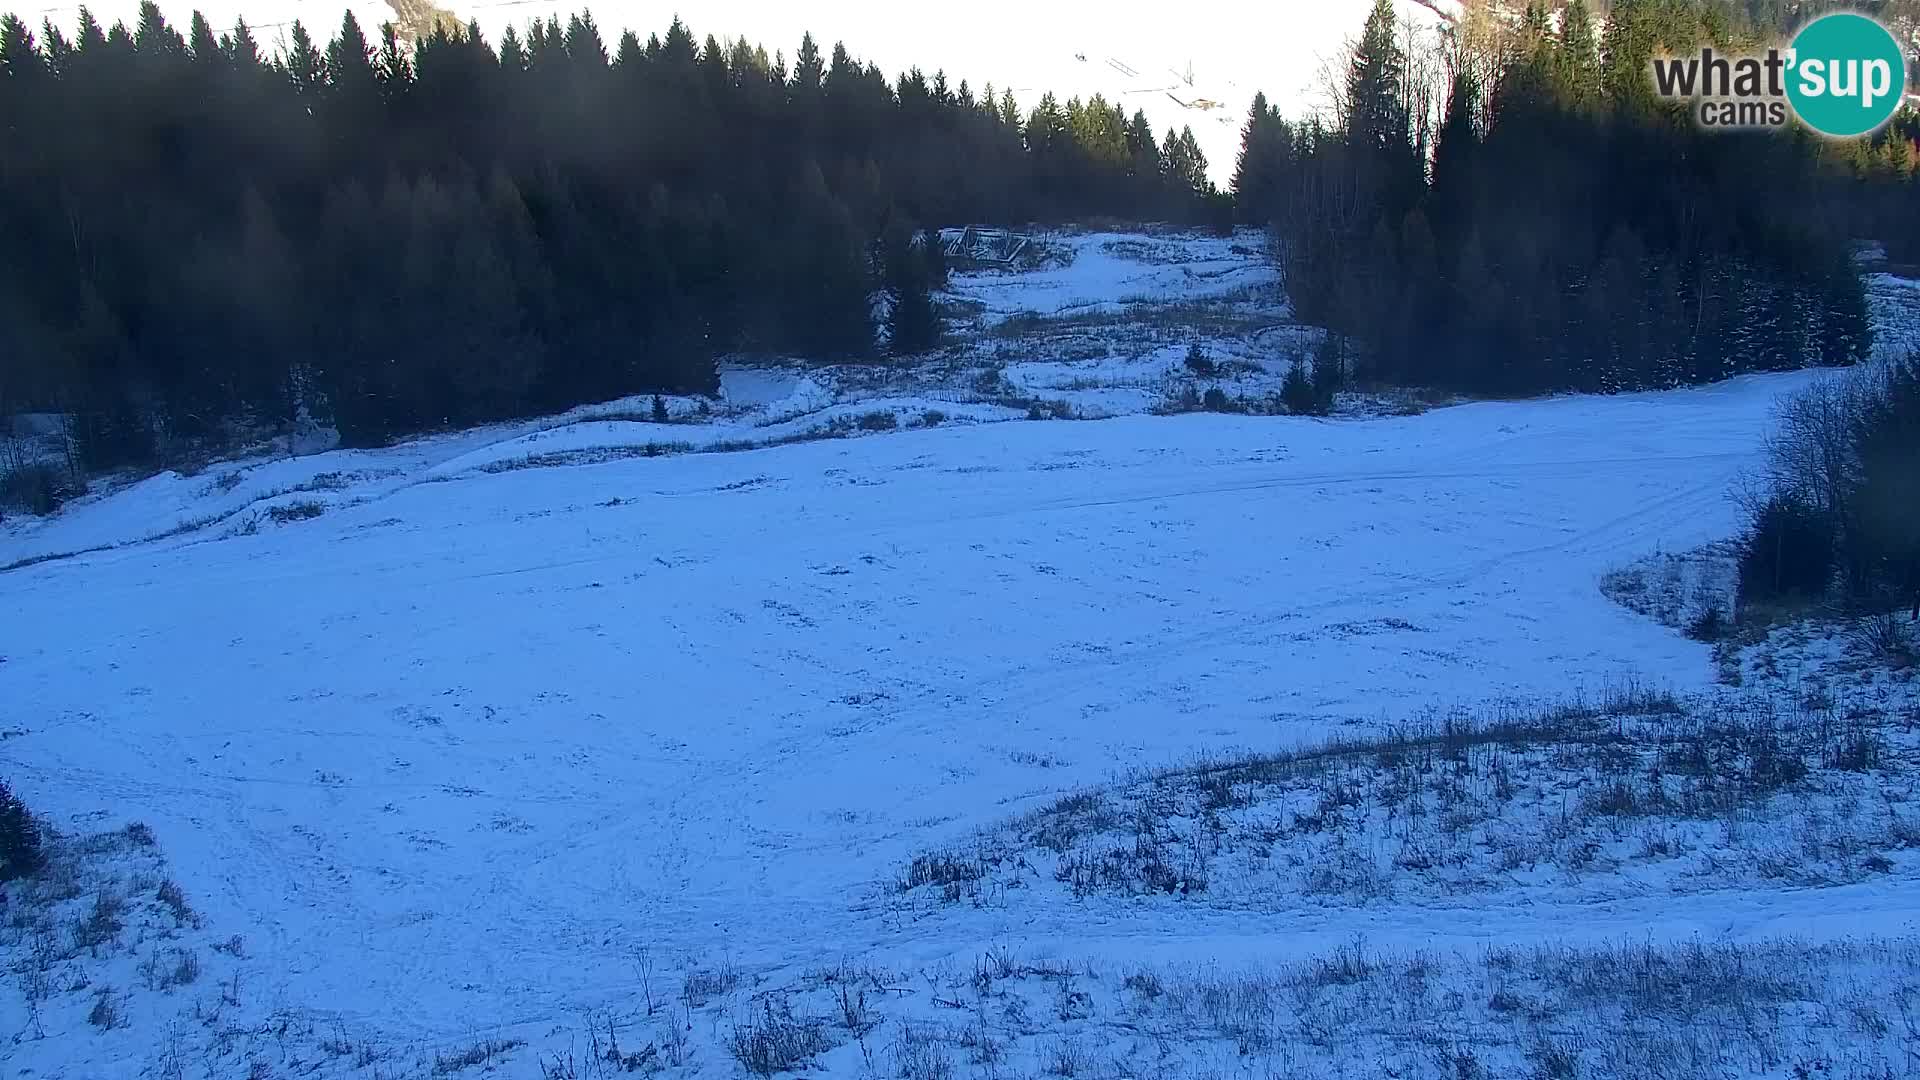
<point x="1708" y="625"/>
<point x="22" y="851"/>
<point x="776" y="1041"/>
<point x="1788" y="555"/>
<point x="1305" y="393"/>
<point x="1887" y="636"/>
<point x="1838" y="516"/>
<point x="1596" y="794"/>
<point x="38" y="489"/>
<point x="1199" y="362"/>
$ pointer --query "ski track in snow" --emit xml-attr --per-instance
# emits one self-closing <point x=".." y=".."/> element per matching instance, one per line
<point x="450" y="754"/>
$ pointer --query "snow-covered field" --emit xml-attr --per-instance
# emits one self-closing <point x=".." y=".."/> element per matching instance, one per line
<point x="488" y="758"/>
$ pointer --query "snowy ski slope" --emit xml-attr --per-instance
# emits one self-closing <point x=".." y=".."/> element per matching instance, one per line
<point x="447" y="756"/>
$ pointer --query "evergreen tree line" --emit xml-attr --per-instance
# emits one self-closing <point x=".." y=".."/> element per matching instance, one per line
<point x="203" y="238"/>
<point x="1563" y="229"/>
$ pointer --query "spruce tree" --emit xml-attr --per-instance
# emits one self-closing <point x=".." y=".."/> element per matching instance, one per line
<point x="1579" y="54"/>
<point x="242" y="51"/>
<point x="1455" y="168"/>
<point x="201" y="44"/>
<point x="1376" y="75"/>
<point x="154" y="37"/>
<point x="304" y="64"/>
<point x="1259" y="173"/>
<point x="913" y="324"/>
<point x="22" y="838"/>
<point x="1379" y="129"/>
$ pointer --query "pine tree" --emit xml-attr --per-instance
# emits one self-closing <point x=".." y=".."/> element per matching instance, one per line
<point x="393" y="66"/>
<point x="201" y="44"/>
<point x="678" y="48"/>
<point x="1579" y="54"/>
<point x="1376" y="76"/>
<point x="1455" y="167"/>
<point x="1628" y="43"/>
<point x="22" y="838"/>
<point x="89" y="36"/>
<point x="20" y="59"/>
<point x="154" y="37"/>
<point x="584" y="46"/>
<point x="1845" y="334"/>
<point x="349" y="62"/>
<point x="808" y="71"/>
<point x="1379" y="129"/>
<point x="1183" y="164"/>
<point x="304" y="63"/>
<point x="242" y="52"/>
<point x="913" y="324"/>
<point x="59" y="51"/>
<point x="1897" y="157"/>
<point x="1259" y="173"/>
<point x="513" y="55"/>
<point x="1297" y="391"/>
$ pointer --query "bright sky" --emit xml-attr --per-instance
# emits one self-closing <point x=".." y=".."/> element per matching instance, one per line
<point x="1135" y="53"/>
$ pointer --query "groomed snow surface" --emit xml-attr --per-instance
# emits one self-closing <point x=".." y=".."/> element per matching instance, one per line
<point x="462" y="769"/>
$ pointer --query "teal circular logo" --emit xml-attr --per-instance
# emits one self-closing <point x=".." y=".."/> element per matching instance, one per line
<point x="1848" y="75"/>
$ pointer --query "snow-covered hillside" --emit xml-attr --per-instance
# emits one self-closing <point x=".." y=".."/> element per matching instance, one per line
<point x="448" y="757"/>
<point x="559" y="750"/>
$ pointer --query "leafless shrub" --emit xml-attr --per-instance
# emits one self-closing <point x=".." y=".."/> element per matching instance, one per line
<point x="643" y="968"/>
<point x="175" y="899"/>
<point x="301" y="510"/>
<point x="674" y="1042"/>
<point x="1067" y="1058"/>
<point x="855" y="1015"/>
<point x="982" y="1048"/>
<point x="918" y="1054"/>
<point x="1458" y="802"/>
<point x="1145" y="983"/>
<point x="774" y="1040"/>
<point x="703" y="985"/>
<point x="1343" y="967"/>
<point x="1887" y="636"/>
<point x="482" y="1053"/>
<point x="169" y="968"/>
<point x="955" y="872"/>
<point x="105" y="1014"/>
<point x="39" y="488"/>
<point x="1554" y="1058"/>
<point x="101" y="923"/>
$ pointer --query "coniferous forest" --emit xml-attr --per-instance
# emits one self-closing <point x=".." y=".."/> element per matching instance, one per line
<point x="408" y="235"/>
<point x="455" y="231"/>
<point x="1549" y="224"/>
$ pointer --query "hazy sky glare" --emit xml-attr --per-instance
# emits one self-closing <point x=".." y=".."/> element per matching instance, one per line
<point x="1234" y="48"/>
